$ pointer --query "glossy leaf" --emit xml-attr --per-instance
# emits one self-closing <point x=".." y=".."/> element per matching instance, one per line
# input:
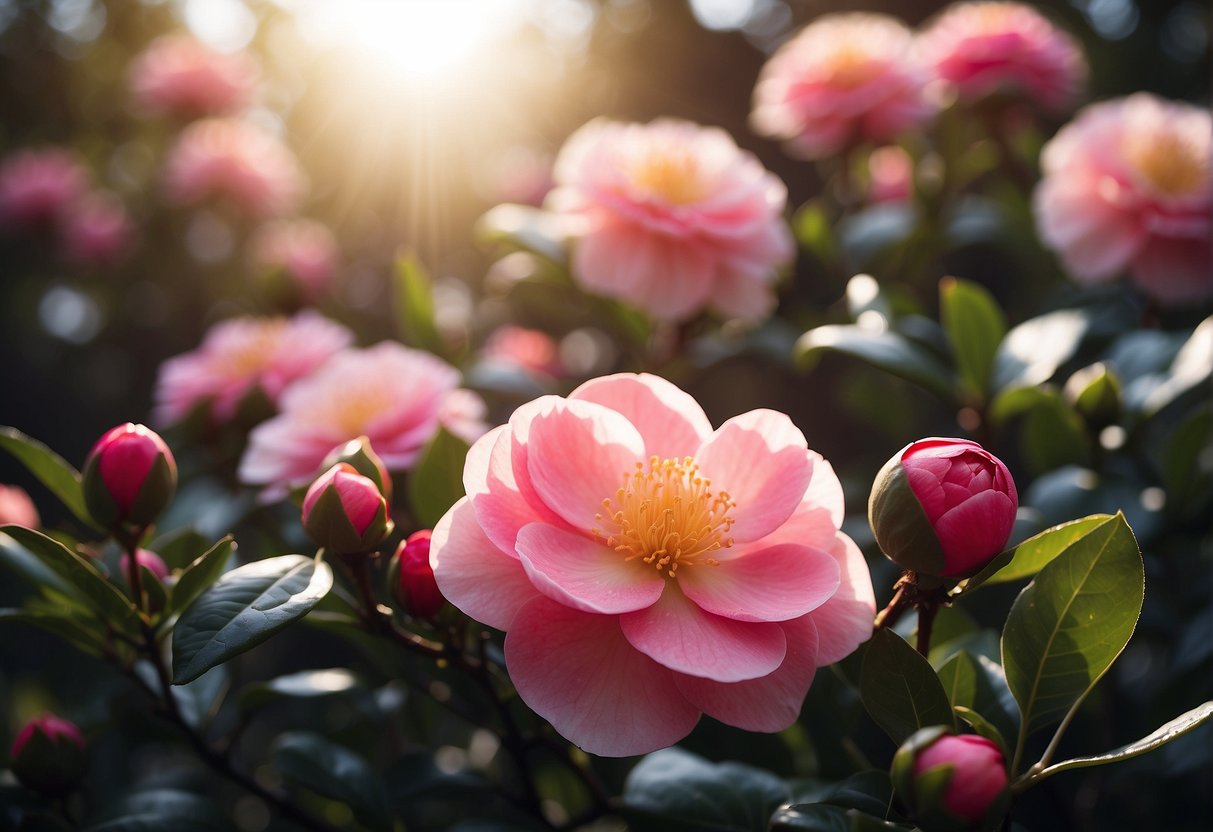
<point x="1191" y="368"/>
<point x="305" y="684"/>
<point x="414" y="305"/>
<point x="1031" y="352"/>
<point x="160" y="809"/>
<point x="436" y="481"/>
<point x="52" y="470"/>
<point x="201" y="574"/>
<point x="244" y="608"/>
<point x="335" y="772"/>
<point x="900" y="689"/>
<point x="975" y="327"/>
<point x="1071" y="622"/>
<point x="1029" y="557"/>
<point x="81" y="633"/>
<point x="883" y="349"/>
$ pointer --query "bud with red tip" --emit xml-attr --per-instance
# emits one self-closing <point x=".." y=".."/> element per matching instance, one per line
<point x="345" y="512"/>
<point x="48" y="756"/>
<point x="414" y="583"/>
<point x="952" y="782"/>
<point x="129" y="477"/>
<point x="943" y="507"/>
<point x="362" y="457"/>
<point x="146" y="559"/>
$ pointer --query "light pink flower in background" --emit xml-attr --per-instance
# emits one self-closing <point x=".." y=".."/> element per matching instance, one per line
<point x="891" y="175"/>
<point x="463" y="413"/>
<point x="305" y="251"/>
<point x="1126" y="187"/>
<point x="179" y="77"/>
<point x="527" y="349"/>
<point x="240" y="354"/>
<point x="647" y="569"/>
<point x="16" y="508"/>
<point x="844" y="80"/>
<point x="389" y="393"/>
<point x="97" y="230"/>
<point x="38" y="185"/>
<point x="672" y="218"/>
<point x="986" y="48"/>
<point x="234" y="161"/>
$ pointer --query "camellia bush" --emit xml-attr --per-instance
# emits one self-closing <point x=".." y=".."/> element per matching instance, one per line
<point x="865" y="488"/>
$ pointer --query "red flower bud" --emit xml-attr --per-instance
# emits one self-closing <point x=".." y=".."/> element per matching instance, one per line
<point x="943" y="507"/>
<point x="417" y="590"/>
<point x="48" y="755"/>
<point x="129" y="477"/>
<point x="359" y="454"/>
<point x="147" y="559"/>
<point x="951" y="782"/>
<point x="345" y="512"/>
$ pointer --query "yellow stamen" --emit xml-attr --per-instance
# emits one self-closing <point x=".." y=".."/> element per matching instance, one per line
<point x="1169" y="160"/>
<point x="672" y="175"/>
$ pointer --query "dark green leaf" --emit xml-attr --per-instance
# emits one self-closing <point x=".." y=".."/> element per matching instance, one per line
<point x="202" y="573"/>
<point x="815" y="233"/>
<point x="899" y="689"/>
<point x="1035" y="553"/>
<point x="1190" y="369"/>
<point x="51" y="470"/>
<point x="414" y="303"/>
<point x="200" y="699"/>
<point x="335" y="772"/>
<point x="1054" y="435"/>
<point x="160" y="809"/>
<point x="811" y="817"/>
<point x="883" y="349"/>
<point x="975" y="326"/>
<point x="304" y="684"/>
<point x="867" y="791"/>
<point x="25" y="563"/>
<point x="1031" y="352"/>
<point x="959" y="679"/>
<point x="983" y="727"/>
<point x="436" y="481"/>
<point x="244" y="608"/>
<point x="1069" y="624"/>
<point x="82" y="633"/>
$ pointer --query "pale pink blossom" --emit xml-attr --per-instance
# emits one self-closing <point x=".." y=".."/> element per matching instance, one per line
<point x="304" y="251"/>
<point x="463" y="414"/>
<point x="16" y="508"/>
<point x="240" y="354"/>
<point x="393" y="395"/>
<point x="527" y="349"/>
<point x="1005" y="48"/>
<point x="672" y="217"/>
<point x="179" y="77"/>
<point x="890" y="175"/>
<point x="844" y="80"/>
<point x="97" y="230"/>
<point x="38" y="185"/>
<point x="1126" y="187"/>
<point x="233" y="160"/>
<point x="647" y="569"/>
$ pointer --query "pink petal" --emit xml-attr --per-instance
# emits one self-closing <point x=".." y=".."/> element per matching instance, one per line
<point x="681" y="636"/>
<point x="578" y="454"/>
<point x="770" y="703"/>
<point x="581" y="572"/>
<point x="761" y="459"/>
<point x="845" y="621"/>
<point x="488" y="479"/>
<point x="771" y="584"/>
<point x="671" y="422"/>
<point x="578" y="672"/>
<point x="475" y="575"/>
<point x="975" y="530"/>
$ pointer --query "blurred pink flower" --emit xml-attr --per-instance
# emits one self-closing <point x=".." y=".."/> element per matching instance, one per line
<point x="391" y="394"/>
<point x="97" y="230"/>
<point x="243" y="353"/>
<point x="16" y="508"/>
<point x="38" y="185"/>
<point x="526" y="349"/>
<point x="179" y="77"/>
<point x="1127" y="186"/>
<point x="844" y="80"/>
<point x="305" y="251"/>
<point x="986" y="48"/>
<point x="520" y="175"/>
<point x="646" y="568"/>
<point x="671" y="218"/>
<point x="463" y="414"/>
<point x="236" y="161"/>
<point x="891" y="175"/>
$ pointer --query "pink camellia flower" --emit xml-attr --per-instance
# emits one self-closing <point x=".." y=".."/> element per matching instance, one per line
<point x="1004" y="48"/>
<point x="672" y="218"/>
<point x="891" y="173"/>
<point x="147" y="559"/>
<point x="943" y="507"/>
<point x="240" y="354"/>
<point x="391" y="394"/>
<point x="345" y="512"/>
<point x="647" y="569"/>
<point x="844" y="80"/>
<point x="48" y="755"/>
<point x="234" y="161"/>
<point x="303" y="251"/>
<point x="179" y="77"/>
<point x="37" y="186"/>
<point x="527" y="349"/>
<point x="979" y="775"/>
<point x="417" y="589"/>
<point x="1126" y="186"/>
<point x="129" y="477"/>
<point x="97" y="230"/>
<point x="16" y="508"/>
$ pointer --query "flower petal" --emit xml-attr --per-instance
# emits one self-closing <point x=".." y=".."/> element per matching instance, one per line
<point x="578" y="672"/>
<point x="488" y="479"/>
<point x="770" y="703"/>
<point x="679" y="635"/>
<point x="845" y="621"/>
<point x="671" y="422"/>
<point x="774" y="583"/>
<point x="585" y="573"/>
<point x="975" y="530"/>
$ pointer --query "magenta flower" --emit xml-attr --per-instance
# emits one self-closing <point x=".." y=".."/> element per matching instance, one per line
<point x="240" y="354"/>
<point x="38" y="186"/>
<point x="129" y="477"/>
<point x="1126" y="187"/>
<point x="891" y="175"/>
<point x="48" y="755"/>
<point x="672" y="218"/>
<point x="303" y="251"/>
<point x="844" y="80"/>
<point x="417" y="590"/>
<point x="97" y="230"/>
<point x="979" y="774"/>
<point x="16" y="508"/>
<point x="345" y="512"/>
<point x="647" y="569"/>
<point x="147" y="559"/>
<point x="179" y="77"/>
<point x="989" y="48"/>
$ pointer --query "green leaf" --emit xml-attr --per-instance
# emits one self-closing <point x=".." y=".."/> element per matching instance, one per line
<point x="975" y="326"/>
<point x="1029" y="557"/>
<point x="159" y="809"/>
<point x="1054" y="435"/>
<point x="244" y="608"/>
<point x="530" y="229"/>
<point x="25" y="563"/>
<point x="1191" y="368"/>
<point x="202" y="573"/>
<point x="1069" y="624"/>
<point x="899" y="689"/>
<point x="80" y="632"/>
<point x="51" y="470"/>
<point x="1031" y="352"/>
<point x="414" y="305"/>
<point x="302" y="685"/>
<point x="885" y="350"/>
<point x="199" y="700"/>
<point x="959" y="679"/>
<point x="333" y="771"/>
<point x="815" y="232"/>
<point x="436" y="481"/>
<point x="811" y="817"/>
<point x="983" y="727"/>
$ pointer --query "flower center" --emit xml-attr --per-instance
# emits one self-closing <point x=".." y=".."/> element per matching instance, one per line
<point x="666" y="516"/>
<point x="851" y="66"/>
<point x="670" y="175"/>
<point x="1170" y="161"/>
<point x="255" y="349"/>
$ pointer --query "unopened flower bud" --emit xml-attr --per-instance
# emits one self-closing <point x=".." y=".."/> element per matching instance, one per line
<point x="345" y="512"/>
<point x="129" y="477"/>
<point x="943" y="507"/>
<point x="17" y="508"/>
<point x="48" y="756"/>
<point x="415" y="586"/>
<point x="1095" y="393"/>
<point x="359" y="454"/>
<point x="146" y="559"/>
<point x="951" y="782"/>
